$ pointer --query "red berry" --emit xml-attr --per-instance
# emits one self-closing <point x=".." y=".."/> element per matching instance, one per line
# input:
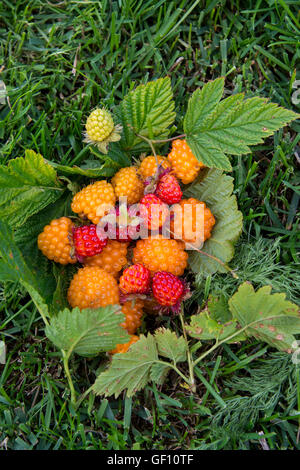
<point x="167" y="289"/>
<point x="87" y="242"/>
<point x="153" y="211"/>
<point x="168" y="189"/>
<point x="135" y="280"/>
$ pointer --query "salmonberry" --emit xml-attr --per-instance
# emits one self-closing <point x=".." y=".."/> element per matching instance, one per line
<point x="192" y="221"/>
<point x="168" y="189"/>
<point x="92" y="287"/>
<point x="133" y="311"/>
<point x="56" y="241"/>
<point x="161" y="254"/>
<point x="153" y="211"/>
<point x="94" y="201"/>
<point x="112" y="258"/>
<point x="123" y="348"/>
<point x="184" y="163"/>
<point x="167" y="289"/>
<point x="135" y="280"/>
<point x="128" y="183"/>
<point x="148" y="166"/>
<point x="87" y="242"/>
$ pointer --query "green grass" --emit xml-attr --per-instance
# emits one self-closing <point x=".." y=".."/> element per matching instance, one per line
<point x="58" y="60"/>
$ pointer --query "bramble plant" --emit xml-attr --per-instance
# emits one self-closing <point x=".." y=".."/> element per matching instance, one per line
<point x="33" y="192"/>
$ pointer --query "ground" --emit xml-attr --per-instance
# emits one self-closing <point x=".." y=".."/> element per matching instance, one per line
<point x="58" y="60"/>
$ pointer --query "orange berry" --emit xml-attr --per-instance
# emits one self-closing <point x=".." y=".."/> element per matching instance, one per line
<point x="161" y="254"/>
<point x="128" y="183"/>
<point x="123" y="348"/>
<point x="56" y="241"/>
<point x="148" y="166"/>
<point x="133" y="311"/>
<point x="184" y="163"/>
<point x="94" y="201"/>
<point x="184" y="223"/>
<point x="92" y="287"/>
<point x="112" y="258"/>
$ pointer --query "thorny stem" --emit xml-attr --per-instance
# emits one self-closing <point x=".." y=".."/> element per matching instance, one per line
<point x="190" y="361"/>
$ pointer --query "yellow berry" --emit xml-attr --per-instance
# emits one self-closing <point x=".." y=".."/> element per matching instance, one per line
<point x="94" y="201"/>
<point x="133" y="311"/>
<point x="112" y="258"/>
<point x="128" y="183"/>
<point x="161" y="254"/>
<point x="56" y="241"/>
<point x="123" y="348"/>
<point x="148" y="166"/>
<point x="184" y="163"/>
<point x="92" y="287"/>
<point x="184" y="222"/>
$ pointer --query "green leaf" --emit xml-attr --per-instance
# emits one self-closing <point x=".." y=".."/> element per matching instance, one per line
<point x="89" y="331"/>
<point x="268" y="317"/>
<point x="219" y="309"/>
<point x="159" y="372"/>
<point x="25" y="238"/>
<point x="170" y="346"/>
<point x="204" y="327"/>
<point x="129" y="371"/>
<point x="148" y="110"/>
<point x="215" y="128"/>
<point x="202" y="102"/>
<point x="27" y="185"/>
<point x="215" y="190"/>
<point x="13" y="267"/>
<point x="2" y="352"/>
<point x="91" y="169"/>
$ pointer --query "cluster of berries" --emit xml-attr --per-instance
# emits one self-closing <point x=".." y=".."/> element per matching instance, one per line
<point x="152" y="273"/>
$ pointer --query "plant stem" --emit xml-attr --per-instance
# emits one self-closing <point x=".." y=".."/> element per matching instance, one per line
<point x="82" y="397"/>
<point x="190" y="361"/>
<point x="69" y="378"/>
<point x="168" y="140"/>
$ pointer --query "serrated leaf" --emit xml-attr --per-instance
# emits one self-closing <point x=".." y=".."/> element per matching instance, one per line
<point x="215" y="128"/>
<point x="129" y="371"/>
<point x="215" y="190"/>
<point x="159" y="372"/>
<point x="218" y="309"/>
<point x="170" y="346"/>
<point x="89" y="331"/>
<point x="204" y="327"/>
<point x="27" y="185"/>
<point x="148" y="110"/>
<point x="268" y="317"/>
<point x="202" y="102"/>
<point x="208" y="153"/>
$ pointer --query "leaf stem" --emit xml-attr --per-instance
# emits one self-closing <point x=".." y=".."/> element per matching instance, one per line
<point x="190" y="361"/>
<point x="237" y="333"/>
<point x="68" y="375"/>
